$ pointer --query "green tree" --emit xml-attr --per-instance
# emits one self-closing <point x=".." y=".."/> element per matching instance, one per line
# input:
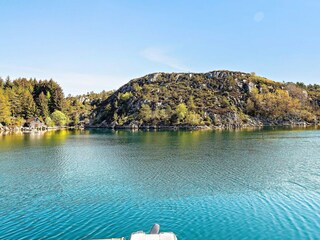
<point x="193" y="118"/>
<point x="59" y="118"/>
<point x="181" y="111"/>
<point x="15" y="96"/>
<point x="125" y="96"/>
<point x="56" y="96"/>
<point x="108" y="108"/>
<point x="145" y="112"/>
<point x="163" y="115"/>
<point x="49" y="122"/>
<point x="136" y="87"/>
<point x="1" y="83"/>
<point x="18" y="121"/>
<point x="43" y="105"/>
<point x="250" y="108"/>
<point x="57" y="99"/>
<point x="168" y="110"/>
<point x="8" y="83"/>
<point x="28" y="105"/>
<point x="5" y="114"/>
<point x="191" y="104"/>
<point x="75" y="119"/>
<point x="115" y="116"/>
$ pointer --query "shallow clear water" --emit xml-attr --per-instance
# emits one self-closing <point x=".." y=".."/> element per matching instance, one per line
<point x="201" y="185"/>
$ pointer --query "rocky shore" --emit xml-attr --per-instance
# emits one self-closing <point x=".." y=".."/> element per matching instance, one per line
<point x="15" y="129"/>
<point x="252" y="123"/>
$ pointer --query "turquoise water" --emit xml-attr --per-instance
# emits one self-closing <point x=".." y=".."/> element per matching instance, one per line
<point x="262" y="184"/>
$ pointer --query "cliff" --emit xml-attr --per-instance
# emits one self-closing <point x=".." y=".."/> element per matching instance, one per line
<point x="217" y="99"/>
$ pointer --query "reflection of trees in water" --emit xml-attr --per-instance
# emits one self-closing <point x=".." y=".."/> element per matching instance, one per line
<point x="39" y="138"/>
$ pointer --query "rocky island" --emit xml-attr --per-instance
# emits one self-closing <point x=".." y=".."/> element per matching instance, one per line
<point x="216" y="99"/>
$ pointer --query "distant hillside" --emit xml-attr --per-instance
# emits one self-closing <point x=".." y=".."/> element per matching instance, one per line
<point x="217" y="99"/>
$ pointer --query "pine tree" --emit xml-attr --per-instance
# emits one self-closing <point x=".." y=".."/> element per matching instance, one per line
<point x="14" y="97"/>
<point x="5" y="115"/>
<point x="43" y="105"/>
<point x="1" y="83"/>
<point x="8" y="83"/>
<point x="28" y="105"/>
<point x="57" y="96"/>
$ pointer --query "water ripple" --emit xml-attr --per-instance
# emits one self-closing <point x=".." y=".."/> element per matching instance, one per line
<point x="212" y="185"/>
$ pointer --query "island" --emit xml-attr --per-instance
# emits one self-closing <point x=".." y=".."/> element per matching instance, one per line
<point x="217" y="99"/>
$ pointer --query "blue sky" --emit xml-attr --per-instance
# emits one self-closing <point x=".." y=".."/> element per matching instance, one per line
<point x="97" y="45"/>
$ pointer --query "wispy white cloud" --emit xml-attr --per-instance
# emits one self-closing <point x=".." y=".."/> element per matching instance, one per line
<point x="160" y="56"/>
<point x="258" y="16"/>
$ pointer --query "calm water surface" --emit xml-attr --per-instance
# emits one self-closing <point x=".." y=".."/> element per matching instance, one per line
<point x="202" y="185"/>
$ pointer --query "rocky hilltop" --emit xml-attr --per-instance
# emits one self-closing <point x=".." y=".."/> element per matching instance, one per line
<point x="217" y="99"/>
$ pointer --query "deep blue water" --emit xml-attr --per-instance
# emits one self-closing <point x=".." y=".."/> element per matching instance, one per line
<point x="262" y="184"/>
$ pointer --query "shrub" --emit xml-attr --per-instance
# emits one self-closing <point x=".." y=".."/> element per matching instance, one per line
<point x="193" y="118"/>
<point x="125" y="96"/>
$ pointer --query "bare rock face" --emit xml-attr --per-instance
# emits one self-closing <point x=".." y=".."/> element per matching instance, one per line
<point x="251" y="86"/>
<point x="305" y="94"/>
<point x="134" y="125"/>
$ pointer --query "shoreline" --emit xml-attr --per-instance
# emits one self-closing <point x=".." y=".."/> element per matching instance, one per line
<point x="17" y="130"/>
<point x="159" y="128"/>
<point x="205" y="128"/>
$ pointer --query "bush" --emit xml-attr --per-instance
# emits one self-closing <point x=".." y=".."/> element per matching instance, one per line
<point x="193" y="118"/>
<point x="125" y="96"/>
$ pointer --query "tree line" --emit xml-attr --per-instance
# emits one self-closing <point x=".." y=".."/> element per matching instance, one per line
<point x="22" y="99"/>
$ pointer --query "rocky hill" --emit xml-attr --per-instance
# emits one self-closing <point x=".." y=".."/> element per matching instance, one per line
<point x="217" y="99"/>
